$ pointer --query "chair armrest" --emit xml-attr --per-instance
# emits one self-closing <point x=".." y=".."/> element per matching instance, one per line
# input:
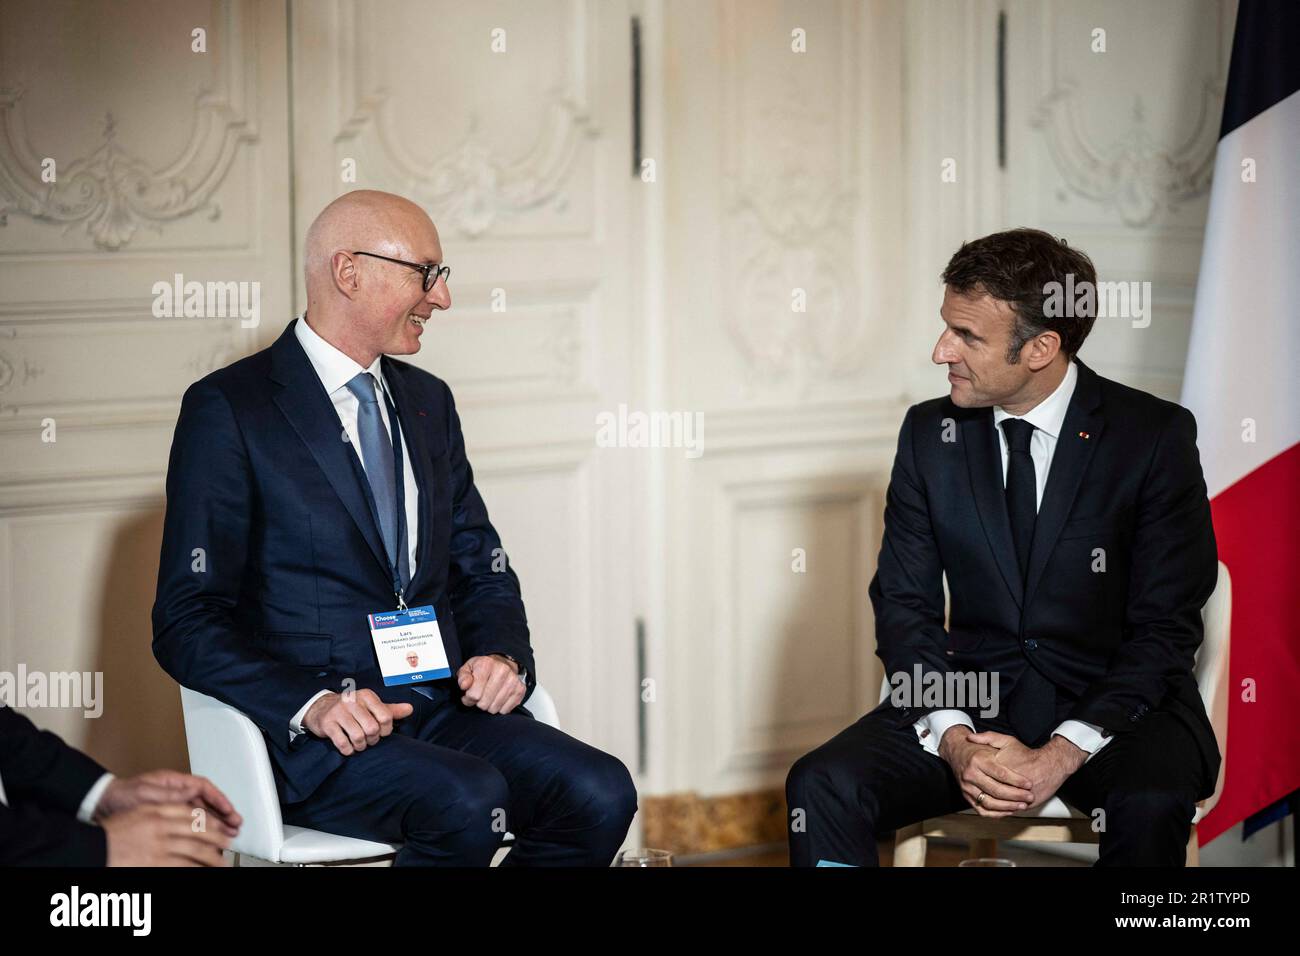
<point x="542" y="706"/>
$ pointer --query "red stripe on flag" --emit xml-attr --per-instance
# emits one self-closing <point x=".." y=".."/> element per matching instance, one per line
<point x="1257" y="526"/>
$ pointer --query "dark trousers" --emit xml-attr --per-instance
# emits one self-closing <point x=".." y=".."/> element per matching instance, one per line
<point x="451" y="780"/>
<point x="875" y="777"/>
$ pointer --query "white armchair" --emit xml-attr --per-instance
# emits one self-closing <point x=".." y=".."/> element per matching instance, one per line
<point x="1057" y="822"/>
<point x="227" y="747"/>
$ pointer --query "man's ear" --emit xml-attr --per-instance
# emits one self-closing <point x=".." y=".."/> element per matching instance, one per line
<point x="343" y="269"/>
<point x="1042" y="350"/>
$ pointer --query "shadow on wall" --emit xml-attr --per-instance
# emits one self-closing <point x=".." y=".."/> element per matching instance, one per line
<point x="141" y="727"/>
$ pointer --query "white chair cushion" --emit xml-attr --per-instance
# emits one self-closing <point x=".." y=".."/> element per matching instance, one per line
<point x="1054" y="809"/>
<point x="312" y="846"/>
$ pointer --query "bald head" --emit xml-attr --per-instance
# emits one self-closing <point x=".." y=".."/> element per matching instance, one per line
<point x="364" y="305"/>
<point x="364" y="219"/>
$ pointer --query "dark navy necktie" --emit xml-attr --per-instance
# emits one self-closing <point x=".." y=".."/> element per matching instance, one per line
<point x="1032" y="705"/>
<point x="1022" y="491"/>
<point x="380" y="461"/>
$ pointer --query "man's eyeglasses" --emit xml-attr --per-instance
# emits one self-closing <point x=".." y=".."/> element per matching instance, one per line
<point x="429" y="271"/>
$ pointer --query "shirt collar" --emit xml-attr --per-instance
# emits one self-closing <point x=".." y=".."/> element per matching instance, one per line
<point x="1049" y="414"/>
<point x="333" y="367"/>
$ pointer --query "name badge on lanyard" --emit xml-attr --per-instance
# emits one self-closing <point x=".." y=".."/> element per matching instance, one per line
<point x="408" y="645"/>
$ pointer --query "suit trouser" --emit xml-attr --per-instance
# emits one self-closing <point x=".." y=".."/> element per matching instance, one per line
<point x="451" y="780"/>
<point x="874" y="777"/>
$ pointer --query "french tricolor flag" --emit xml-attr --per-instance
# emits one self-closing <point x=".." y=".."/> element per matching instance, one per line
<point x="1243" y="385"/>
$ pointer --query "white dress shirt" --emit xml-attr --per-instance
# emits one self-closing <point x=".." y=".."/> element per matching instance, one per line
<point x="1047" y="417"/>
<point x="335" y="370"/>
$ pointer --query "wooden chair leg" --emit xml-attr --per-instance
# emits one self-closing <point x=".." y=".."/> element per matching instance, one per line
<point x="909" y="845"/>
<point x="983" y="847"/>
<point x="1193" y="849"/>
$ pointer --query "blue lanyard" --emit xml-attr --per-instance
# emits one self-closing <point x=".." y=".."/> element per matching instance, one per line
<point x="399" y="478"/>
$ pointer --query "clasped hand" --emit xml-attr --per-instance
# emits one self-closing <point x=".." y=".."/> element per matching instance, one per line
<point x="1010" y="775"/>
<point x="166" y="818"/>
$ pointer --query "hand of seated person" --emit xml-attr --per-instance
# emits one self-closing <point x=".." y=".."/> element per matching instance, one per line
<point x="1047" y="767"/>
<point x="354" y="720"/>
<point x="491" y="683"/>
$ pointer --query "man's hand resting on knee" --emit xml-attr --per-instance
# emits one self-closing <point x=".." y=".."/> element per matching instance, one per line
<point x="354" y="721"/>
<point x="975" y="764"/>
<point x="491" y="683"/>
<point x="1047" y="767"/>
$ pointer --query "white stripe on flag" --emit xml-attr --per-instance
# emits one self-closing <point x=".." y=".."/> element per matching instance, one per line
<point x="1244" y="356"/>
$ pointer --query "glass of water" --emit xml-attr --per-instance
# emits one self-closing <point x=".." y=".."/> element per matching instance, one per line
<point x="643" y="857"/>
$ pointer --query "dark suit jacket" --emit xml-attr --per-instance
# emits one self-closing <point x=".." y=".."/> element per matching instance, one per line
<point x="45" y="781"/>
<point x="292" y="560"/>
<point x="1117" y="644"/>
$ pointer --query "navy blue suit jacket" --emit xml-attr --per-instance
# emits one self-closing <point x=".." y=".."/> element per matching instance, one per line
<point x="273" y="607"/>
<point x="1125" y="482"/>
<point x="45" y="781"/>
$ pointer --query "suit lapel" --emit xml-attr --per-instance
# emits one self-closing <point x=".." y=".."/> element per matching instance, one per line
<point x="308" y="408"/>
<point x="984" y="461"/>
<point x="417" y="450"/>
<point x="1069" y="464"/>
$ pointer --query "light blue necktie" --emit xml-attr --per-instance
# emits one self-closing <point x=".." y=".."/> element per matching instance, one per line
<point x="378" y="452"/>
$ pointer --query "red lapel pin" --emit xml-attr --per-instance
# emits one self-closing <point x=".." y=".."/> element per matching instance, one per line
<point x="1083" y="434"/>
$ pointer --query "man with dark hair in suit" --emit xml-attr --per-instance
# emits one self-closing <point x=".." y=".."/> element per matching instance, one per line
<point x="319" y="484"/>
<point x="59" y="807"/>
<point x="1069" y="516"/>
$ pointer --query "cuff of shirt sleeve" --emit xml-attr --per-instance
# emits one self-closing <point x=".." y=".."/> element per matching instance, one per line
<point x="295" y="723"/>
<point x="86" y="812"/>
<point x="1087" y="737"/>
<point x="931" y="728"/>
